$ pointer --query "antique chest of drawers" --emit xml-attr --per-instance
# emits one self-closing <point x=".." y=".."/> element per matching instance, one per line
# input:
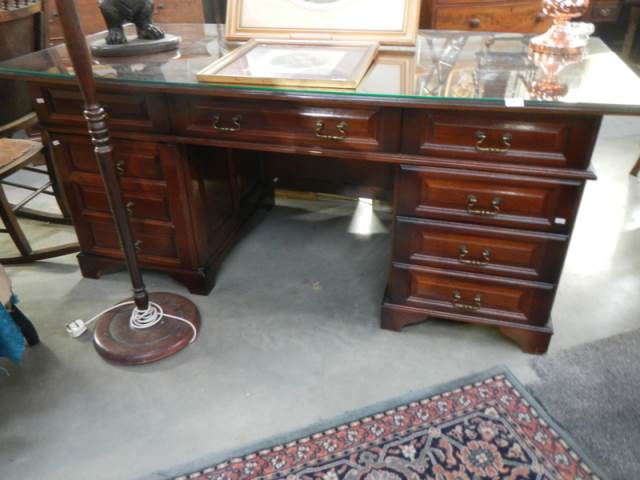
<point x="524" y="16"/>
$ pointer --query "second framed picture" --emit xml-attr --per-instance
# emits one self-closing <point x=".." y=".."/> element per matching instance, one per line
<point x="293" y="63"/>
<point x="388" y="22"/>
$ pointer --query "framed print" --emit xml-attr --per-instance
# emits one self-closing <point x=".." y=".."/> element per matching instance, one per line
<point x="304" y="63"/>
<point x="392" y="73"/>
<point x="388" y="22"/>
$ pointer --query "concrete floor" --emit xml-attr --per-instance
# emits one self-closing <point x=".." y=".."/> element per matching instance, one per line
<point x="290" y="338"/>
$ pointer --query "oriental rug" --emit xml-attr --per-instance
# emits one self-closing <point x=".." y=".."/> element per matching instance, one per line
<point x="488" y="427"/>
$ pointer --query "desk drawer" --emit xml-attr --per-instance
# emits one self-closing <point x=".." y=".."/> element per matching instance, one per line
<point x="481" y="296"/>
<point x="140" y="206"/>
<point x="473" y="248"/>
<point x="502" y="137"/>
<point x="64" y="106"/>
<point x="154" y="245"/>
<point x="513" y="17"/>
<point x="134" y="160"/>
<point x="334" y="127"/>
<point x="488" y="199"/>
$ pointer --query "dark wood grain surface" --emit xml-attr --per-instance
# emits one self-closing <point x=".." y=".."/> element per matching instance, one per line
<point x="484" y="195"/>
<point x="191" y="177"/>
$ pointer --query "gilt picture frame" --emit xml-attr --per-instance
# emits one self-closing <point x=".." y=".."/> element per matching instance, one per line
<point x="293" y="63"/>
<point x="388" y="22"/>
<point x="391" y="73"/>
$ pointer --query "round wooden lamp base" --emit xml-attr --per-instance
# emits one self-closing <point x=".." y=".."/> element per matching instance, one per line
<point x="117" y="342"/>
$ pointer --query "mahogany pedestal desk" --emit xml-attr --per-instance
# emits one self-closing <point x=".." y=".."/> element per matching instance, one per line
<point x="485" y="177"/>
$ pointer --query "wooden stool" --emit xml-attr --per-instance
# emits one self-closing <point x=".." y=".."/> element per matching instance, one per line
<point x="16" y="155"/>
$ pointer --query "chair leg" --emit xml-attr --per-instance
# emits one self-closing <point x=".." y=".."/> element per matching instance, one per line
<point x="26" y="327"/>
<point x="12" y="226"/>
<point x="636" y="168"/>
<point x="43" y="217"/>
<point x="42" y="254"/>
<point x="21" y="211"/>
<point x="27" y="254"/>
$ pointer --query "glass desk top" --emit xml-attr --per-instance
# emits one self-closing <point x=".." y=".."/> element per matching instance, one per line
<point x="445" y="67"/>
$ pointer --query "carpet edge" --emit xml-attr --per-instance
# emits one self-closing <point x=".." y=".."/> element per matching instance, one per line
<point x="352" y="415"/>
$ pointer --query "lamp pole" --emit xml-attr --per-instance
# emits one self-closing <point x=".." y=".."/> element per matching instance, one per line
<point x="117" y="337"/>
<point x="99" y="130"/>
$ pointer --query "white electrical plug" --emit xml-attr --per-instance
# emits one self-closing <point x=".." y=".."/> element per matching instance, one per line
<point x="76" y="328"/>
<point x="139" y="319"/>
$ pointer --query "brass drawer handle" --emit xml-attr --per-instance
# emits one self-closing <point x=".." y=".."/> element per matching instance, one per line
<point x="120" y="167"/>
<point x="474" y="22"/>
<point x="129" y="206"/>
<point x="464" y="251"/>
<point x="481" y="137"/>
<point x="341" y="127"/>
<point x="459" y="304"/>
<point x="236" y="124"/>
<point x="138" y="245"/>
<point x="472" y="206"/>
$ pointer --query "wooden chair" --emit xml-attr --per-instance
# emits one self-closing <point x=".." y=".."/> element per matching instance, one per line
<point x="21" y="32"/>
<point x="15" y="155"/>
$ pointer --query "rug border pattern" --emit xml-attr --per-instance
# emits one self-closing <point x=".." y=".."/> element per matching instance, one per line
<point x="432" y="394"/>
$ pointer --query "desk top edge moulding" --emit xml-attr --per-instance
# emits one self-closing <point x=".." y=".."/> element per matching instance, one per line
<point x="484" y="166"/>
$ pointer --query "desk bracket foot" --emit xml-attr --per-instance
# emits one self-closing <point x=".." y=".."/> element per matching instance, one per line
<point x="396" y="319"/>
<point x="530" y="341"/>
<point x="93" y="266"/>
<point x="199" y="282"/>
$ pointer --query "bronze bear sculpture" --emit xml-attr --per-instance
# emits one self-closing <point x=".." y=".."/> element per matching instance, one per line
<point x="138" y="12"/>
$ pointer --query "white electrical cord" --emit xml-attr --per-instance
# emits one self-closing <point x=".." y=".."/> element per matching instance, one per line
<point x="139" y="319"/>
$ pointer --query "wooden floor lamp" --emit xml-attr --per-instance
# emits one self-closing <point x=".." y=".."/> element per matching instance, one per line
<point x="148" y="327"/>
